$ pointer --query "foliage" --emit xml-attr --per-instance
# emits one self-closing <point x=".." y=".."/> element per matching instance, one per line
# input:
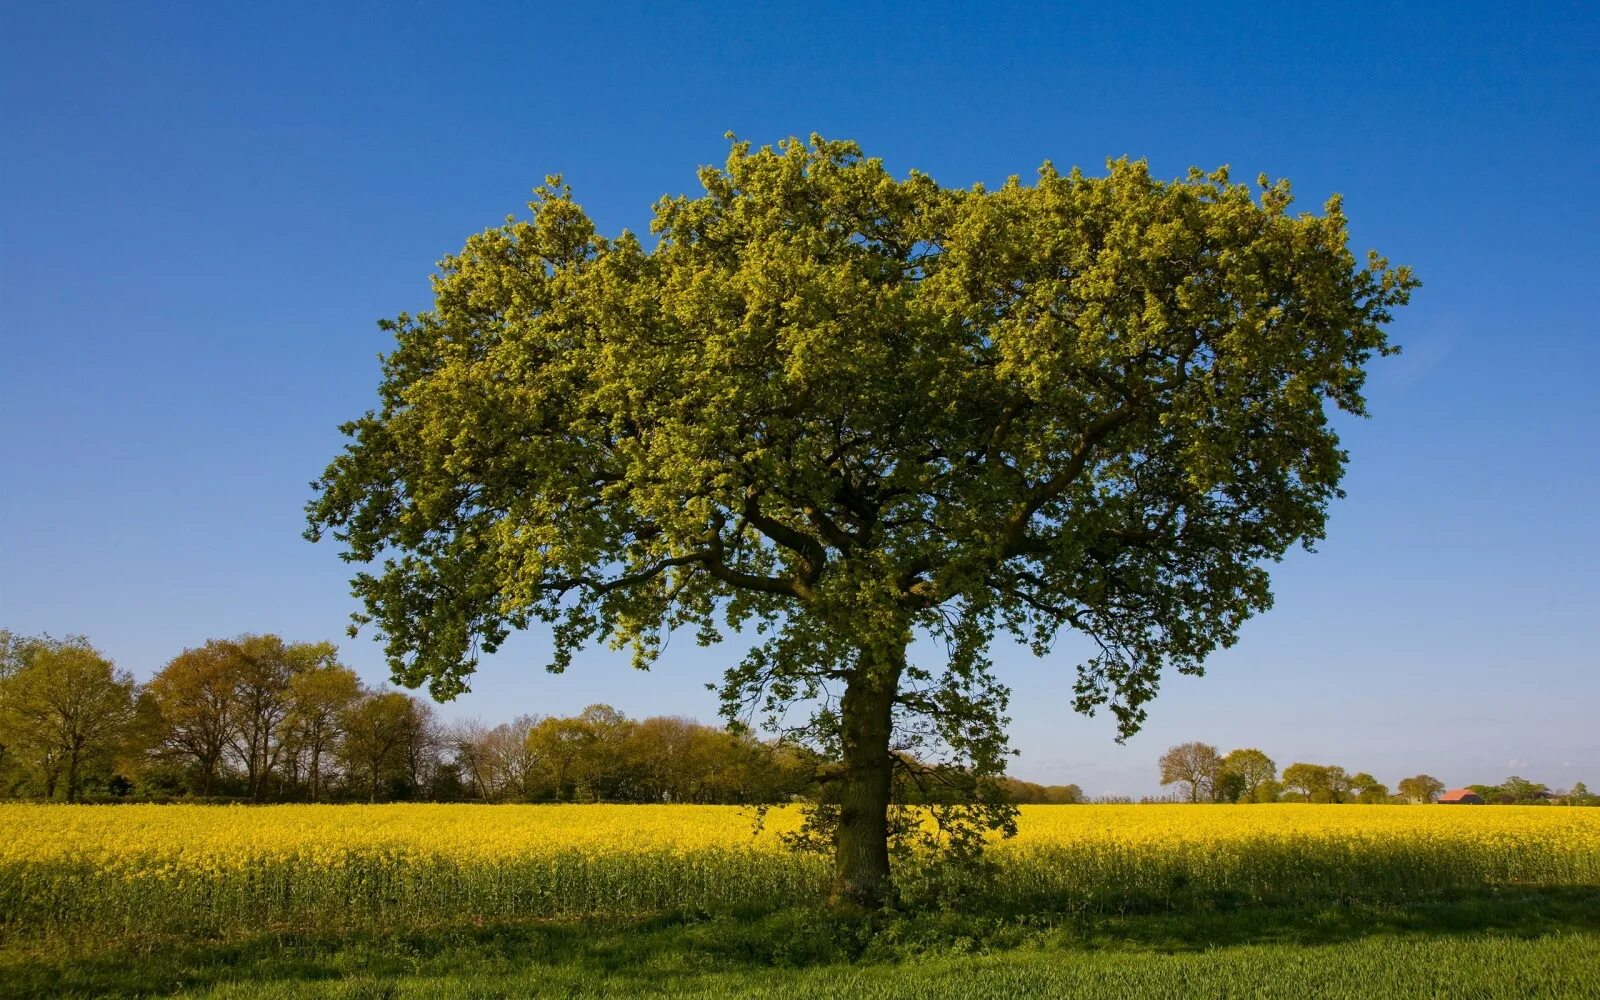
<point x="1244" y="774"/>
<point x="1032" y="793"/>
<point x="1318" y="782"/>
<point x="848" y="410"/>
<point x="1581" y="796"/>
<point x="65" y="712"/>
<point x="1421" y="788"/>
<point x="1193" y="764"/>
<point x="1515" y="791"/>
<point x="1368" y="790"/>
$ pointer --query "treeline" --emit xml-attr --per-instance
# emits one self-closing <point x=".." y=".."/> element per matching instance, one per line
<point x="1249" y="775"/>
<point x="259" y="719"/>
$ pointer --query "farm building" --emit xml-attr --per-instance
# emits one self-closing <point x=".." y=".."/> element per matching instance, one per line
<point x="1461" y="797"/>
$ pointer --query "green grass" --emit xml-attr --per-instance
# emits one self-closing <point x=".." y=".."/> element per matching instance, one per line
<point x="1488" y="944"/>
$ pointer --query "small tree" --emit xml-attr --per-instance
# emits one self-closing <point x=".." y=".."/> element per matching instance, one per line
<point x="195" y="697"/>
<point x="373" y="734"/>
<point x="1524" y="792"/>
<point x="319" y="697"/>
<point x="1192" y="764"/>
<point x="851" y="410"/>
<point x="1270" y="790"/>
<point x="1369" y="790"/>
<point x="65" y="709"/>
<point x="1244" y="771"/>
<point x="1310" y="780"/>
<point x="1421" y="788"/>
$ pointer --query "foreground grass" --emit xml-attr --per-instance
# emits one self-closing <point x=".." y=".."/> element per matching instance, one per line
<point x="1486" y="944"/>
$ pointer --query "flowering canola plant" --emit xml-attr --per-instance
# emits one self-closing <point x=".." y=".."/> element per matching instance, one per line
<point x="146" y="866"/>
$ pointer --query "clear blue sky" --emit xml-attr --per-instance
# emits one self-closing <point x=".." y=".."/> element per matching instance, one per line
<point x="203" y="210"/>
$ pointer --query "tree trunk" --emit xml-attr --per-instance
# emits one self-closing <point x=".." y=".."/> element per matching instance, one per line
<point x="861" y="840"/>
<point x="72" y="776"/>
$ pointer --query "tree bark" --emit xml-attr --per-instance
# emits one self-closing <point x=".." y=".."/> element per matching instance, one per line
<point x="861" y="840"/>
<point x="72" y="776"/>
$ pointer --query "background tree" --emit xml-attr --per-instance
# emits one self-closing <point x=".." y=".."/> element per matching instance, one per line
<point x="263" y="680"/>
<point x="673" y="761"/>
<point x="12" y="650"/>
<point x="1270" y="790"/>
<point x="319" y="696"/>
<point x="421" y="746"/>
<point x="1340" y="785"/>
<point x="500" y="764"/>
<point x="602" y="760"/>
<point x="1421" y="788"/>
<point x="558" y="744"/>
<point x="856" y="410"/>
<point x="12" y="647"/>
<point x="1028" y="792"/>
<point x="1368" y="790"/>
<point x="1193" y="764"/>
<point x="1310" y="780"/>
<point x="1521" y="791"/>
<point x="374" y="730"/>
<point x="1244" y="771"/>
<point x="195" y="695"/>
<point x="64" y="710"/>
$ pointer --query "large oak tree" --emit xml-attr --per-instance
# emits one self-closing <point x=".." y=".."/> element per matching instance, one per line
<point x="849" y="410"/>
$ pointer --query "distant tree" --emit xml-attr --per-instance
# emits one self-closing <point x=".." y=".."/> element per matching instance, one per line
<point x="1242" y="773"/>
<point x="559" y="744"/>
<point x="422" y="745"/>
<point x="672" y="758"/>
<point x="1524" y="792"/>
<point x="1270" y="790"/>
<point x="1228" y="787"/>
<point x="1316" y="782"/>
<point x="1369" y="790"/>
<point x="601" y="762"/>
<point x="1340" y="785"/>
<point x="1029" y="793"/>
<point x="319" y="696"/>
<point x="500" y="764"/>
<point x="1490" y="793"/>
<point x="374" y="730"/>
<point x="13" y="648"/>
<point x="267" y="666"/>
<point x="1581" y="796"/>
<point x="1193" y="764"/>
<point x="65" y="709"/>
<point x="1421" y="788"/>
<point x="195" y="696"/>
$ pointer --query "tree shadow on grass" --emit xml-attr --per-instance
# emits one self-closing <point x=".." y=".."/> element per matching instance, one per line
<point x="654" y="952"/>
<point x="1507" y="912"/>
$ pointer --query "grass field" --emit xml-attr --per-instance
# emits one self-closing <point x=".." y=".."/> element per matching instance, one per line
<point x="1125" y="901"/>
<point x="1511" y="944"/>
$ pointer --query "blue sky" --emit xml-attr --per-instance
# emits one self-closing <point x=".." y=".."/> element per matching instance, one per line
<point x="204" y="210"/>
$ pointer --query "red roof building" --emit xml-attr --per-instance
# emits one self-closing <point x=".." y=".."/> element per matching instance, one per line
<point x="1461" y="797"/>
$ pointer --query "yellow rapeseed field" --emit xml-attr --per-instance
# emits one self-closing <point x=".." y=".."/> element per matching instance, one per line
<point x="142" y="866"/>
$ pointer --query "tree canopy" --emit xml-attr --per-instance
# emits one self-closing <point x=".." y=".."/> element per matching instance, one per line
<point x="848" y="409"/>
